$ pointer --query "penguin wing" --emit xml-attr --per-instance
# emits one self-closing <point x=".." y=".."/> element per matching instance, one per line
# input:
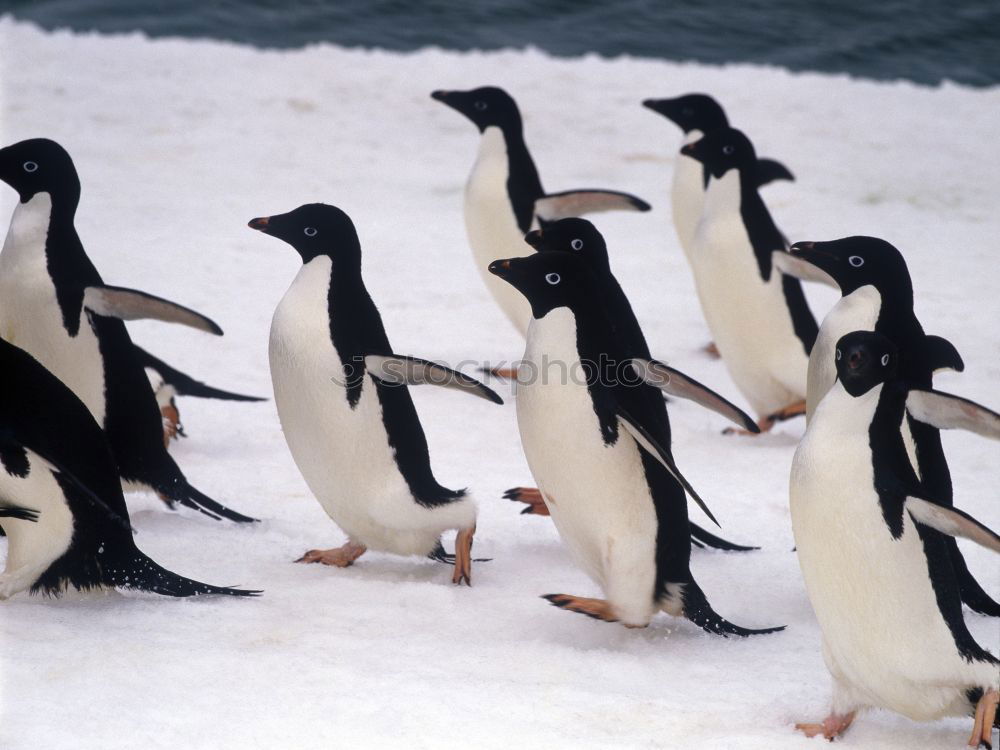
<point x="799" y="268"/>
<point x="130" y="304"/>
<point x="398" y="369"/>
<point x="184" y="384"/>
<point x="951" y="521"/>
<point x="941" y="354"/>
<point x="676" y="383"/>
<point x="573" y="203"/>
<point x="947" y="412"/>
<point x="769" y="170"/>
<point x="649" y="444"/>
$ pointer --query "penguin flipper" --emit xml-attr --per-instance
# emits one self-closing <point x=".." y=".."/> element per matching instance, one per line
<point x="946" y="411"/>
<point x="398" y="369"/>
<point x="19" y="512"/>
<point x="800" y="268"/>
<point x="649" y="444"/>
<point x="143" y="574"/>
<point x="184" y="384"/>
<point x="952" y="522"/>
<point x="573" y="203"/>
<point x="700" y="612"/>
<point x="675" y="383"/>
<point x="769" y="170"/>
<point x="131" y="304"/>
<point x="941" y="354"/>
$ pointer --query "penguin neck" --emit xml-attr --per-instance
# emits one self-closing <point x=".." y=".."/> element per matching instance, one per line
<point x="524" y="186"/>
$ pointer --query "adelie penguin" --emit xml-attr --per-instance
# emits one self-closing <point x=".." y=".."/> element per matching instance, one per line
<point x="344" y="405"/>
<point x="758" y="316"/>
<point x="877" y="295"/>
<point x="55" y="306"/>
<point x="69" y="526"/>
<point x="580" y="237"/>
<point x="504" y="198"/>
<point x="597" y="440"/>
<point x="871" y="544"/>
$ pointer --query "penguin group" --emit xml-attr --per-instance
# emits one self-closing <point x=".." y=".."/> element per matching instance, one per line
<point x="86" y="415"/>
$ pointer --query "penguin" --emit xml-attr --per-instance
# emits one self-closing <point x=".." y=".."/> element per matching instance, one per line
<point x="57" y="465"/>
<point x="504" y="198"/>
<point x="877" y="295"/>
<point x="55" y="306"/>
<point x="597" y="441"/>
<point x="758" y="316"/>
<point x="581" y="237"/>
<point x="870" y="543"/>
<point x="344" y="405"/>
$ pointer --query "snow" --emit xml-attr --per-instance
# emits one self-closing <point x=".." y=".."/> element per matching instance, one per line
<point x="179" y="143"/>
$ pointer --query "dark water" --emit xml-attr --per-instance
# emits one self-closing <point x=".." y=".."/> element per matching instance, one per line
<point x="919" y="40"/>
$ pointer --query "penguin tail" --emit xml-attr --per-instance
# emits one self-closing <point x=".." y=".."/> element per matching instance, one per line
<point x="702" y="538"/>
<point x="142" y="574"/>
<point x="192" y="498"/>
<point x="699" y="611"/>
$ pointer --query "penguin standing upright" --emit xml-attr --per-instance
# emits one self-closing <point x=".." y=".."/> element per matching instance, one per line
<point x="55" y="306"/>
<point x="344" y="406"/>
<point x="504" y="198"/>
<point x="758" y="316"/>
<point x="877" y="295"/>
<point x="56" y="463"/>
<point x="870" y="542"/>
<point x="597" y="440"/>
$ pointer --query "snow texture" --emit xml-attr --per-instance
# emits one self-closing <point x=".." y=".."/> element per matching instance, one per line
<point x="179" y="143"/>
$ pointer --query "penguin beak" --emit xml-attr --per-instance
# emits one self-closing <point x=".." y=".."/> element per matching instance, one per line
<point x="535" y="239"/>
<point x="807" y="251"/>
<point x="660" y="106"/>
<point x="690" y="150"/>
<point x="260" y="224"/>
<point x="500" y="268"/>
<point x="441" y="96"/>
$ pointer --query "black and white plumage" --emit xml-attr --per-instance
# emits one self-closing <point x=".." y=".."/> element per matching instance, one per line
<point x="54" y="304"/>
<point x="597" y="440"/>
<point x="504" y="198"/>
<point x="57" y="465"/>
<point x="344" y="404"/>
<point x="871" y="544"/>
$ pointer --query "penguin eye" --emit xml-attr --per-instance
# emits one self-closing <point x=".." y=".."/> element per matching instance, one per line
<point x="480" y="105"/>
<point x="856" y="260"/>
<point x="29" y="166"/>
<point x="576" y="244"/>
<point x="839" y="355"/>
<point x="553" y="278"/>
<point x="729" y="149"/>
<point x="885" y="360"/>
<point x="310" y="231"/>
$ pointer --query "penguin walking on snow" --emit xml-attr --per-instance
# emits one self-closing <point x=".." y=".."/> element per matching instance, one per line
<point x="345" y="408"/>
<point x="758" y="316"/>
<point x="579" y="237"/>
<point x="877" y="295"/>
<point x="504" y="198"/>
<point x="56" y="467"/>
<point x="870" y="542"/>
<point x="597" y="440"/>
<point x="55" y="306"/>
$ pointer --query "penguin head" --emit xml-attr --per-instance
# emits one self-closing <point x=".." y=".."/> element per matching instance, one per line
<point x="865" y="359"/>
<point x="315" y="229"/>
<point x="722" y="150"/>
<point x="37" y="166"/>
<point x="486" y="106"/>
<point x="576" y="236"/>
<point x="854" y="262"/>
<point x="691" y="112"/>
<point x="548" y="280"/>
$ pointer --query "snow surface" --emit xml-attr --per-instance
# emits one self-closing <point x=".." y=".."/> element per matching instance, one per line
<point x="179" y="143"/>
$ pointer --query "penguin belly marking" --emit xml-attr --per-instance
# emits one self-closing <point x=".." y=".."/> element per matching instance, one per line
<point x="30" y="316"/>
<point x="604" y="514"/>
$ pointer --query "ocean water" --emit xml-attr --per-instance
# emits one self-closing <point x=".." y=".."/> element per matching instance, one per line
<point x="927" y="41"/>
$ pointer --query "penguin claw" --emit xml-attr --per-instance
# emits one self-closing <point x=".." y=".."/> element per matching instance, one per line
<point x="463" y="557"/>
<point x="598" y="609"/>
<point x="982" y="726"/>
<point x="830" y="728"/>
<point x="339" y="557"/>
<point x="531" y="496"/>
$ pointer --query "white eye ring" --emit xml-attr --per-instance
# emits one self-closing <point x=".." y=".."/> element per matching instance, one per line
<point x="839" y="355"/>
<point x="576" y="244"/>
<point x="729" y="149"/>
<point x="310" y="231"/>
<point x="856" y="260"/>
<point x="30" y="166"/>
<point x="553" y="278"/>
<point x="885" y="360"/>
<point x="480" y="105"/>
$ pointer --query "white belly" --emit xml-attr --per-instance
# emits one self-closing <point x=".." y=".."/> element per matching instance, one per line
<point x="492" y="227"/>
<point x="30" y="316"/>
<point x="343" y="453"/>
<point x="597" y="494"/>
<point x="748" y="318"/>
<point x="687" y="195"/>
<point x="885" y="642"/>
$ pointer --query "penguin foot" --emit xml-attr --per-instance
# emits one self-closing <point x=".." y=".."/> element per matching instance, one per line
<point x="463" y="557"/>
<point x="599" y="609"/>
<point x="764" y="424"/>
<point x="982" y="726"/>
<point x="172" y="428"/>
<point x="711" y="350"/>
<point x="339" y="557"/>
<point x="531" y="496"/>
<point x="832" y="726"/>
